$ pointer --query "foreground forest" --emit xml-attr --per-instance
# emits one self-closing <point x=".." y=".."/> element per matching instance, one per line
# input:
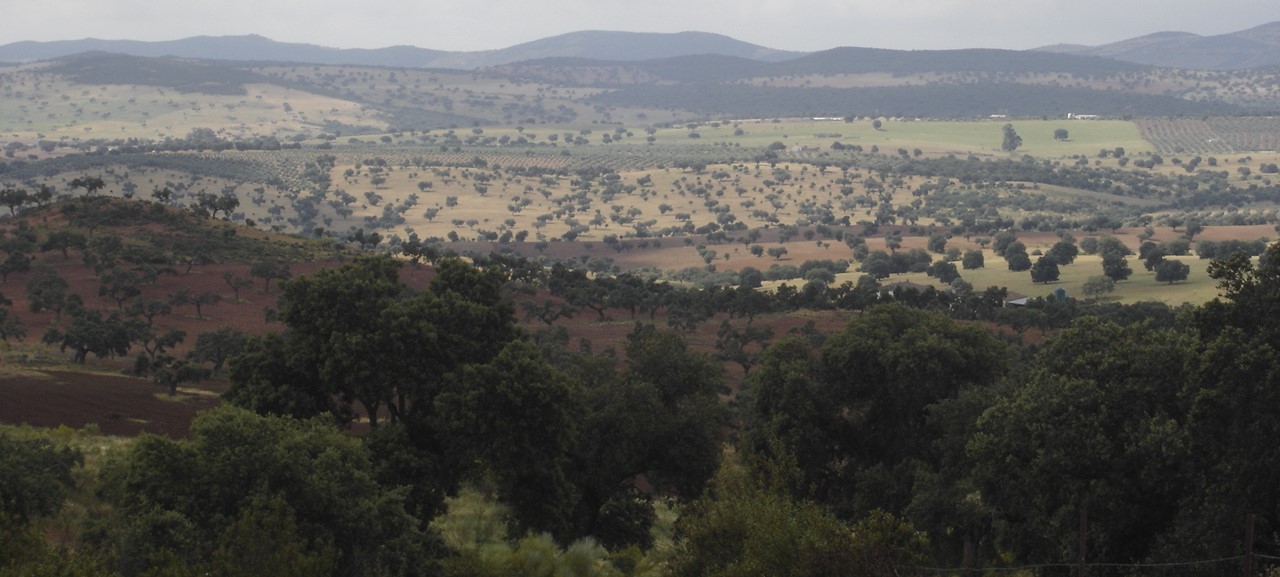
<point x="903" y="441"/>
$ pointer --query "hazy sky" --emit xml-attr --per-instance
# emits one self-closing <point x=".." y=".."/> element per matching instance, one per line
<point x="785" y="24"/>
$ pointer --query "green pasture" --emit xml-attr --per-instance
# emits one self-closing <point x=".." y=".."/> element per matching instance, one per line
<point x="1141" y="286"/>
<point x="933" y="137"/>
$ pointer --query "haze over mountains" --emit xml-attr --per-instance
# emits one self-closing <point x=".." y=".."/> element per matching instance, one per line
<point x="1252" y="48"/>
<point x="621" y="46"/>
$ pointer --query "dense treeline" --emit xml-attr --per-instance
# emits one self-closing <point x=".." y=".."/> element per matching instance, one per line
<point x="183" y="76"/>
<point x="905" y="440"/>
<point x="703" y="68"/>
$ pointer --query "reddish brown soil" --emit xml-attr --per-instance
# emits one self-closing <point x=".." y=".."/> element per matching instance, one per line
<point x="119" y="405"/>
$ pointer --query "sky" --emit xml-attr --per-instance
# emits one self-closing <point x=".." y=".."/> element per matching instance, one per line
<point x="802" y="25"/>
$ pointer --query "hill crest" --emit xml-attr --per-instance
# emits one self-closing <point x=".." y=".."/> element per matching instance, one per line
<point x="1256" y="47"/>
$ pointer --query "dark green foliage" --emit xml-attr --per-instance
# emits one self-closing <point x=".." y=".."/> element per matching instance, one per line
<point x="271" y="377"/>
<point x="63" y="241"/>
<point x="10" y="325"/>
<point x="1016" y="256"/>
<point x="265" y="541"/>
<point x="1225" y="248"/>
<point x="170" y="373"/>
<point x="269" y="270"/>
<point x="878" y="265"/>
<point x="119" y="284"/>
<point x="189" y="503"/>
<point x="944" y="271"/>
<point x="1002" y="241"/>
<point x="337" y="325"/>
<point x="687" y="386"/>
<point x="1115" y="267"/>
<point x="468" y="398"/>
<point x="1011" y="140"/>
<point x="860" y="410"/>
<point x="1098" y="285"/>
<point x="218" y="346"/>
<point x="1063" y="253"/>
<point x="1095" y="428"/>
<point x="973" y="259"/>
<point x="743" y="346"/>
<point x="1045" y="270"/>
<point x="747" y="528"/>
<point x="34" y="478"/>
<point x="183" y="76"/>
<point x="1250" y="297"/>
<point x="751" y="525"/>
<point x="14" y="198"/>
<point x="1112" y="246"/>
<point x="523" y="414"/>
<point x="91" y="333"/>
<point x="1171" y="271"/>
<point x="937" y="243"/>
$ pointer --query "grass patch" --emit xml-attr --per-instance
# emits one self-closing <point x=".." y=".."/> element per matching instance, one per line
<point x="1141" y="286"/>
<point x="934" y="137"/>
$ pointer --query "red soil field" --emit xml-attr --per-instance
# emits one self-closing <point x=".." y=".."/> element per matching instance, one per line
<point x="117" y="404"/>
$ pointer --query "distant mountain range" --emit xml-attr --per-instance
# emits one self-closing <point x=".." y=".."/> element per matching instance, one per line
<point x="620" y="46"/>
<point x="1256" y="47"/>
<point x="1253" y="48"/>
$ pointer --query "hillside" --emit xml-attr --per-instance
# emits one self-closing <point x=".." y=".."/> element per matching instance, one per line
<point x="1256" y="47"/>
<point x="617" y="46"/>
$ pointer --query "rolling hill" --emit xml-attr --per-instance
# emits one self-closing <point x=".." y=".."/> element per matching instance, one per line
<point x="1253" y="48"/>
<point x="617" y="46"/>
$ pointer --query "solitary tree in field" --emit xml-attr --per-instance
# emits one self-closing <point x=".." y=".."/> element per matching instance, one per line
<point x="270" y="269"/>
<point x="973" y="259"/>
<point x="1171" y="271"/>
<point x="1061" y="134"/>
<point x="236" y="282"/>
<point x="1045" y="270"/>
<point x="90" y="184"/>
<point x="1099" y="285"/>
<point x="1011" y="139"/>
